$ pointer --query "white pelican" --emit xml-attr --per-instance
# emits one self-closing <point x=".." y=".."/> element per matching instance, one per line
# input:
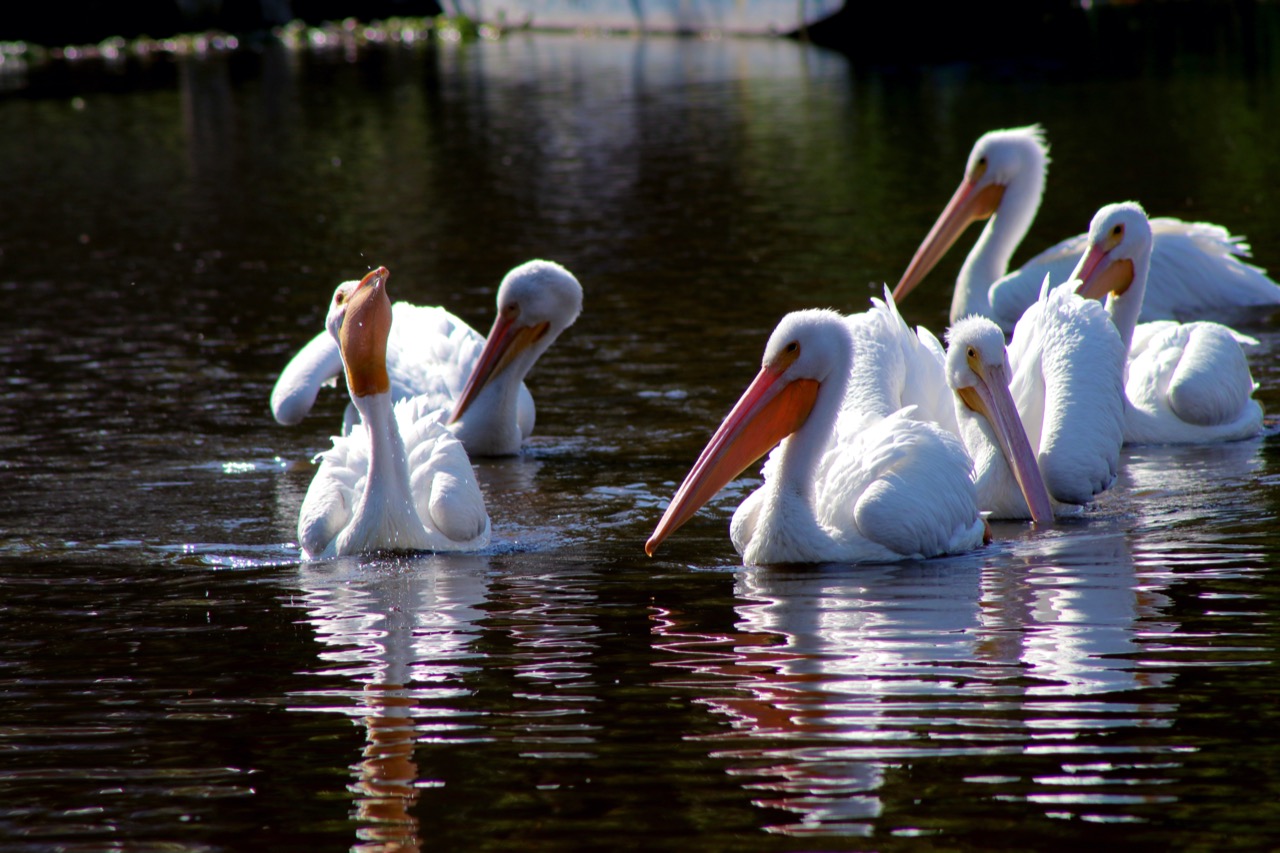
<point x="1061" y="380"/>
<point x="399" y="480"/>
<point x="1186" y="383"/>
<point x="432" y="353"/>
<point x="1196" y="269"/>
<point x="900" y="367"/>
<point x="851" y="480"/>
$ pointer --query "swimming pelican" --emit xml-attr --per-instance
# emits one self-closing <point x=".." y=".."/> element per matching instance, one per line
<point x="1060" y="381"/>
<point x="970" y="399"/>
<point x="1196" y="269"/>
<point x="1186" y="383"/>
<point x="433" y="354"/>
<point x="399" y="480"/>
<point x="849" y="481"/>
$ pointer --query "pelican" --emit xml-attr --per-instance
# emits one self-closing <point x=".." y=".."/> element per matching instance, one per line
<point x="1186" y="383"/>
<point x="1061" y="383"/>
<point x="1195" y="269"/>
<point x="399" y="480"/>
<point x="850" y="480"/>
<point x="433" y="354"/>
<point x="1068" y="379"/>
<point x="970" y="399"/>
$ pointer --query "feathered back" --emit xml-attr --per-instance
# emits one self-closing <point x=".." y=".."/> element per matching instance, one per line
<point x="1067" y="354"/>
<point x="898" y="366"/>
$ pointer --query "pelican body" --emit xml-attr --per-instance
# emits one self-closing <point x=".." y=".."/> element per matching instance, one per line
<point x="1185" y="383"/>
<point x="1196" y="267"/>
<point x="852" y="479"/>
<point x="398" y="480"/>
<point x="1062" y="379"/>
<point x="477" y="381"/>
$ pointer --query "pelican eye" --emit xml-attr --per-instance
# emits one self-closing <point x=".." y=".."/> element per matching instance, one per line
<point x="972" y="352"/>
<point x="788" y="356"/>
<point x="339" y="297"/>
<point x="1118" y="230"/>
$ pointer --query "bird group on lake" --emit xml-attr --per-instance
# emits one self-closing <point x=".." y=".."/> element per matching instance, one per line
<point x="882" y="443"/>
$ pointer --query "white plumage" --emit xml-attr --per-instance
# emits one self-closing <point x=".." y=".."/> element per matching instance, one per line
<point x="1062" y="376"/>
<point x="852" y="479"/>
<point x="1196" y="272"/>
<point x="398" y="480"/>
<point x="1196" y="268"/>
<point x="1068" y="383"/>
<point x="1185" y="383"/>
<point x="897" y="366"/>
<point x="477" y="382"/>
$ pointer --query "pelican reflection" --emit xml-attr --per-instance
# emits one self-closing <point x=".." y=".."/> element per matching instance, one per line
<point x="837" y="677"/>
<point x="400" y="635"/>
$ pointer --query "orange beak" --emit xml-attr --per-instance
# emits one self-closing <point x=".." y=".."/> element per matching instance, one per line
<point x="768" y="411"/>
<point x="969" y="204"/>
<point x="363" y="337"/>
<point x="1098" y="275"/>
<point x="506" y="341"/>
<point x="991" y="399"/>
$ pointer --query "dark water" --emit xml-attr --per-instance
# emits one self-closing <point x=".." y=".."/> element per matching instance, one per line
<point x="173" y="677"/>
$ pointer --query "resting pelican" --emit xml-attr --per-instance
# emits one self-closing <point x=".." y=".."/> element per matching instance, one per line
<point x="851" y="481"/>
<point x="433" y="354"/>
<point x="1196" y="269"/>
<point x="1061" y="382"/>
<point x="1186" y="383"/>
<point x="399" y="480"/>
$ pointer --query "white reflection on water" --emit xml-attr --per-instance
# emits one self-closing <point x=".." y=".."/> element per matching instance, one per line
<point x="1044" y="650"/>
<point x="401" y="634"/>
<point x="401" y="652"/>
<point x="1074" y="607"/>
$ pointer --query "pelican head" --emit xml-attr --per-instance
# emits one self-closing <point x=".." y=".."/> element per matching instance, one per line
<point x="808" y="349"/>
<point x="338" y="305"/>
<point x="1002" y="163"/>
<point x="1119" y="241"/>
<point x="363" y="329"/>
<point x="1115" y="264"/>
<point x="978" y="371"/>
<point x="536" y="302"/>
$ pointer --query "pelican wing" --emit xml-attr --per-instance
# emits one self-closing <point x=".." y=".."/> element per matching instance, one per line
<point x="446" y="495"/>
<point x="1189" y="383"/>
<point x="898" y="366"/>
<point x="431" y="354"/>
<point x="1197" y="271"/>
<point x="330" y="500"/>
<point x="430" y="351"/>
<point x="906" y="484"/>
<point x="1070" y="379"/>
<point x="317" y="364"/>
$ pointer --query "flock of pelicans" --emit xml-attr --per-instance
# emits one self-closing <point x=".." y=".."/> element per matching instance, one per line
<point x="888" y="446"/>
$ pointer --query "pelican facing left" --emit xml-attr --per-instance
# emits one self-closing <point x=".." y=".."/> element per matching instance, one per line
<point x="847" y="483"/>
<point x="399" y="480"/>
<point x="1197" y="268"/>
<point x="478" y="382"/>
<point x="1185" y="383"/>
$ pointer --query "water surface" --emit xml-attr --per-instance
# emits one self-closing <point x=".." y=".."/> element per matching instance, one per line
<point x="176" y="678"/>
